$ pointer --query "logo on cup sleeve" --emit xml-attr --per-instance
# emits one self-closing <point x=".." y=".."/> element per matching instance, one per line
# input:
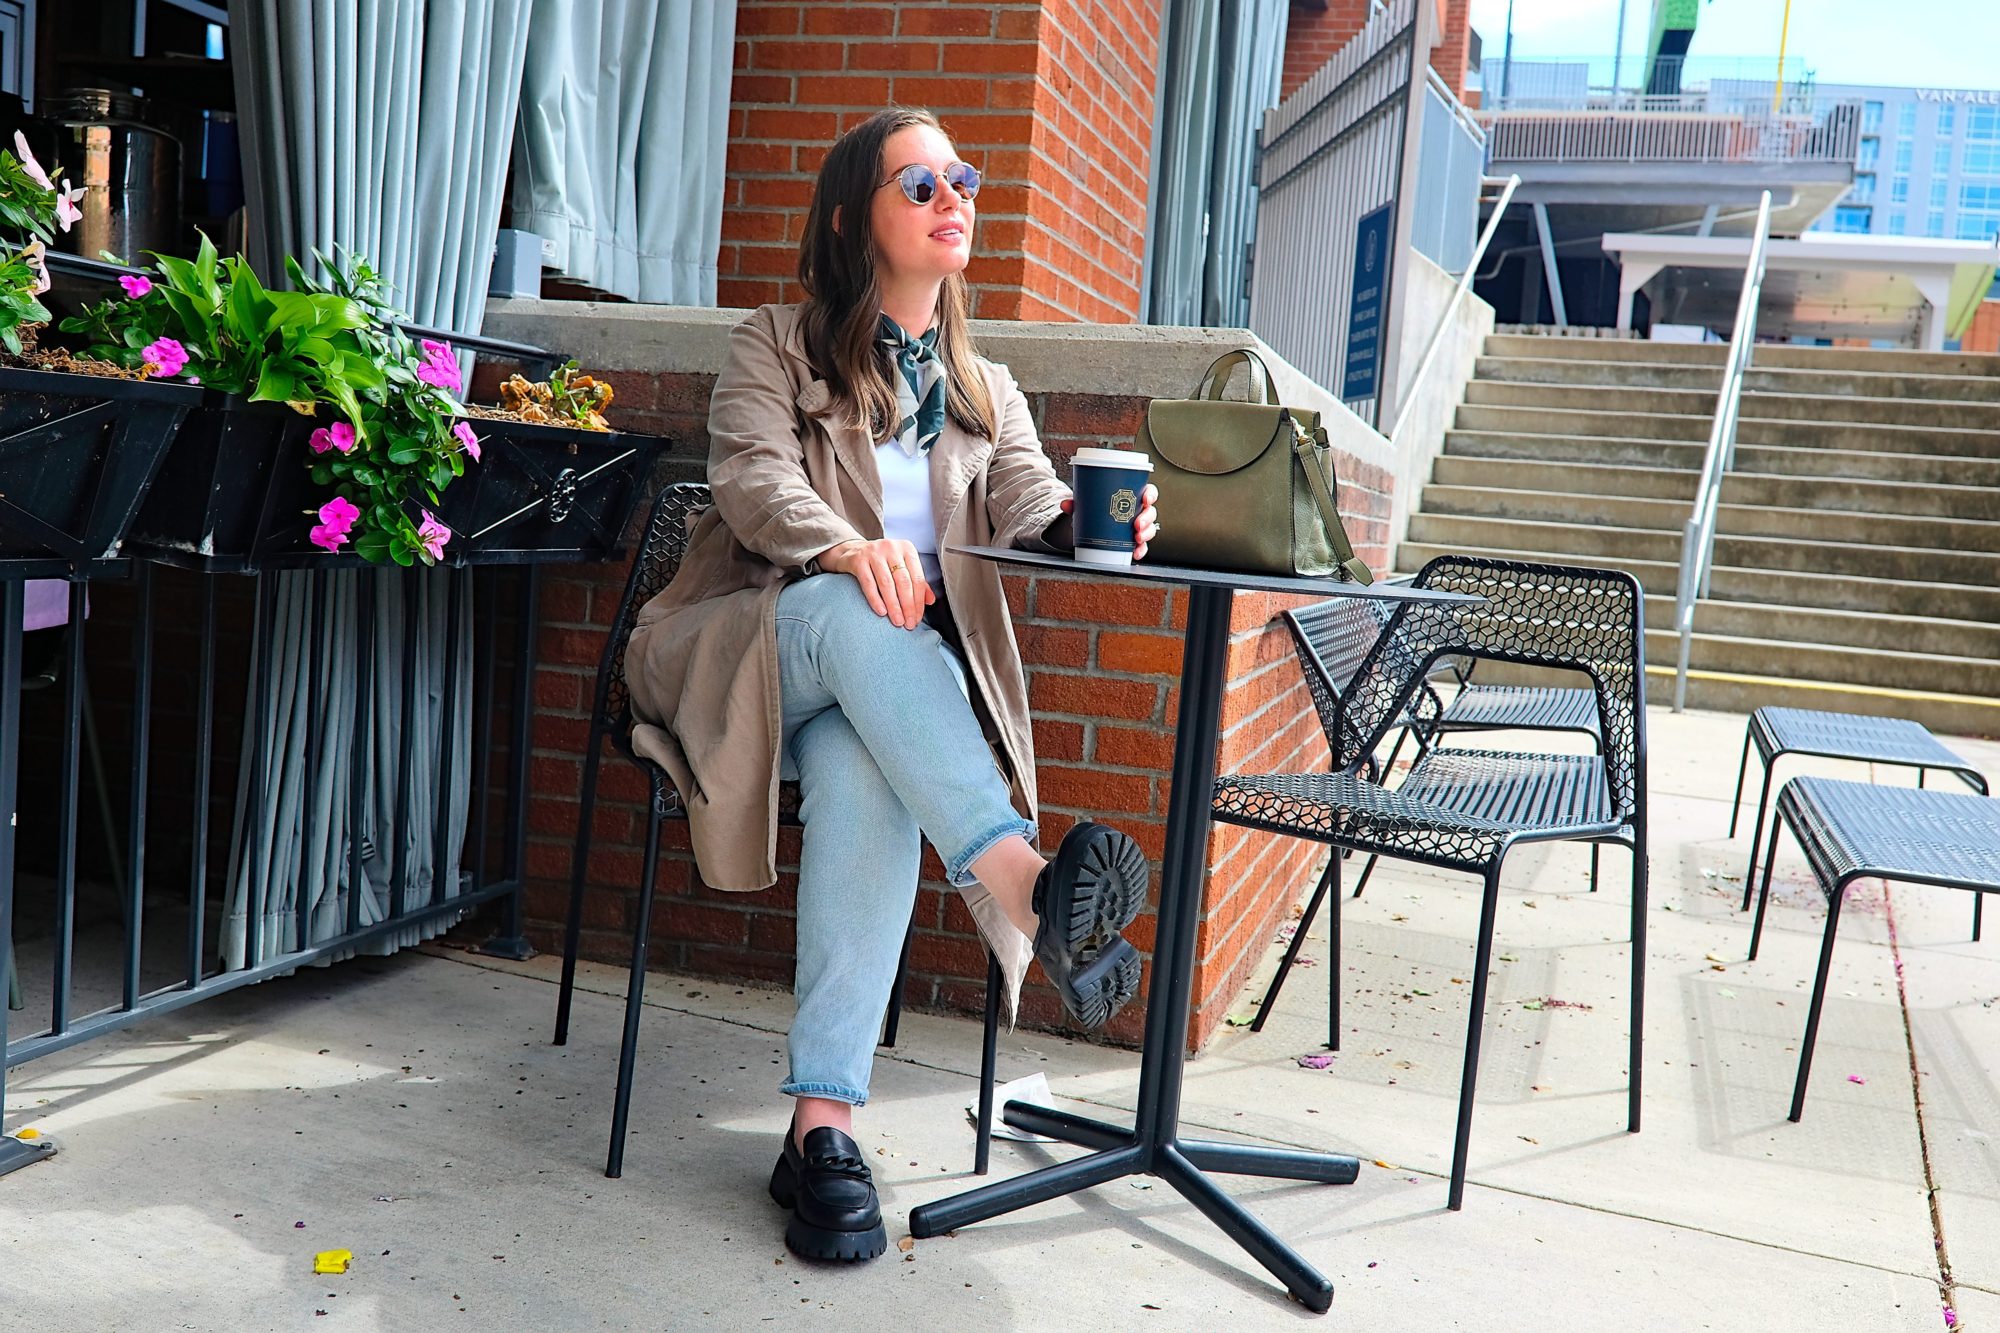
<point x="1124" y="504"/>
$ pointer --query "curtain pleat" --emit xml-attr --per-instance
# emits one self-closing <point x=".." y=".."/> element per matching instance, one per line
<point x="381" y="128"/>
<point x="618" y="161"/>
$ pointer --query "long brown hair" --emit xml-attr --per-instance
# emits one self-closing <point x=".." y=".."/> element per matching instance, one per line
<point x="840" y="316"/>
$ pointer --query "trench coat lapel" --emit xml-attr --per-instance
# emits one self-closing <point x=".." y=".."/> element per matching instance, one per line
<point x="851" y="445"/>
<point x="957" y="460"/>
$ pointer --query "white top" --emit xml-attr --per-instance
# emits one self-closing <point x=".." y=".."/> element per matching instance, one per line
<point x="906" y="506"/>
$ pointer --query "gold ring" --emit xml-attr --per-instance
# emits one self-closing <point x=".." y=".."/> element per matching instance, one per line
<point x="897" y="565"/>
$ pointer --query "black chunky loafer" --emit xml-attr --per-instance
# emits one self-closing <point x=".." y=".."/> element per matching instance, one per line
<point x="835" y="1213"/>
<point x="1091" y="890"/>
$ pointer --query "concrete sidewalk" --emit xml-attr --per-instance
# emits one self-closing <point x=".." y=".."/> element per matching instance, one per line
<point x="412" y="1110"/>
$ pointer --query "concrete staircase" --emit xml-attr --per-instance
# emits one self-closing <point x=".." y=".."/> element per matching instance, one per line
<point x="1857" y="560"/>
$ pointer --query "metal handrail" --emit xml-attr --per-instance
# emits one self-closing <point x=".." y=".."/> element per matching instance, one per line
<point x="1409" y="395"/>
<point x="1698" y="538"/>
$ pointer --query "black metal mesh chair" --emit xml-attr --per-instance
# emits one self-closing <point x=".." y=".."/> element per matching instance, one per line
<point x="653" y="567"/>
<point x="1463" y="809"/>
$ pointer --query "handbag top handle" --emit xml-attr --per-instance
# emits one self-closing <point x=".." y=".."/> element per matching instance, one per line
<point x="1263" y="387"/>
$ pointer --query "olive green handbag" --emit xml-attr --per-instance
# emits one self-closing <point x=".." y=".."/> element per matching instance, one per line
<point x="1245" y="486"/>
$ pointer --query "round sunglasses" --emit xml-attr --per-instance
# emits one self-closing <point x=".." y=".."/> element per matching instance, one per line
<point x="921" y="184"/>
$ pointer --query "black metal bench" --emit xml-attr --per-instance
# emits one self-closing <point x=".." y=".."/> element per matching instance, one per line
<point x="1857" y="830"/>
<point x="1871" y="740"/>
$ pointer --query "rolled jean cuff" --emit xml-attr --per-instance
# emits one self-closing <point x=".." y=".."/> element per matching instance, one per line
<point x="958" y="872"/>
<point x="832" y="1092"/>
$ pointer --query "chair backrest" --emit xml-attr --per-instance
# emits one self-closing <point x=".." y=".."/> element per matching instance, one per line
<point x="653" y="567"/>
<point x="1333" y="638"/>
<point x="1556" y="616"/>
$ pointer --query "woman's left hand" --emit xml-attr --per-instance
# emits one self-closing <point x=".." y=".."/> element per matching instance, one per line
<point x="1145" y="527"/>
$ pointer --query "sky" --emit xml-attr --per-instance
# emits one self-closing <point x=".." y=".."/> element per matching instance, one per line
<point x="1914" y="43"/>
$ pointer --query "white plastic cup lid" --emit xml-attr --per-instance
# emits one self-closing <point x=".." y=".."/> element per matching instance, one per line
<point x="1131" y="458"/>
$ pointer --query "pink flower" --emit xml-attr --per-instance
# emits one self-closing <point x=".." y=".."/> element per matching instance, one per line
<point x="339" y="436"/>
<point x="440" y="367"/>
<point x="134" y="285"/>
<point x="463" y="430"/>
<point x="164" y="356"/>
<point x="34" y="254"/>
<point x="67" y="213"/>
<point x="432" y="535"/>
<point x="28" y="163"/>
<point x="329" y="538"/>
<point x="339" y="513"/>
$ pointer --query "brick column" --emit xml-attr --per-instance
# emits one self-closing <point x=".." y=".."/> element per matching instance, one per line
<point x="1052" y="100"/>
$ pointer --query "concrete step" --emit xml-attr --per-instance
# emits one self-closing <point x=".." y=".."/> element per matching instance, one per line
<point x="1765" y="587"/>
<point x="1791" y="434"/>
<point x="1821" y="409"/>
<point x="1589" y="479"/>
<point x="1586" y="544"/>
<point x="1685" y="456"/>
<point x="1881" y="631"/>
<point x="1834" y="664"/>
<point x="1767" y="356"/>
<point x="1733" y="520"/>
<point x="1815" y="383"/>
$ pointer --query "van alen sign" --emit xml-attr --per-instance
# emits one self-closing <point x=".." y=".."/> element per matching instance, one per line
<point x="1979" y="97"/>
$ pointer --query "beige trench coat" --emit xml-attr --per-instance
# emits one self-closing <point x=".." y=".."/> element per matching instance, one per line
<point x="791" y="478"/>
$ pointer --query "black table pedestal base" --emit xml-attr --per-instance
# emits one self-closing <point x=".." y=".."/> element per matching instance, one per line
<point x="1182" y="1163"/>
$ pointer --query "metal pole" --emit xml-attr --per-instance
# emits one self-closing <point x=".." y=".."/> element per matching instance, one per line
<point x="1784" y="34"/>
<point x="1618" y="55"/>
<point x="1507" y="56"/>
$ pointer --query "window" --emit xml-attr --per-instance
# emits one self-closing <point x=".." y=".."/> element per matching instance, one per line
<point x="1981" y="159"/>
<point x="1871" y="118"/>
<point x="1937" y="194"/>
<point x="1893" y="224"/>
<point x="1899" y="190"/>
<point x="1981" y="197"/>
<point x="1941" y="160"/>
<point x="1864" y="189"/>
<point x="1850" y="219"/>
<point x="1906" y="119"/>
<point x="1903" y="152"/>
<point x="1871" y="153"/>
<point x="1978" y="226"/>
<point x="1934" y="224"/>
<point x="1982" y="122"/>
<point x="1978" y="211"/>
<point x="1947" y="120"/>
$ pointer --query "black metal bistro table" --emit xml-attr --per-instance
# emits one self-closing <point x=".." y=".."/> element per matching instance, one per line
<point x="1154" y="1146"/>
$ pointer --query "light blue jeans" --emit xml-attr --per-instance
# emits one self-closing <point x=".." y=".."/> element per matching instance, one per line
<point x="881" y="736"/>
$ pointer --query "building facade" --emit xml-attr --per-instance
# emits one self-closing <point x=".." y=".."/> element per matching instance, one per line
<point x="1929" y="163"/>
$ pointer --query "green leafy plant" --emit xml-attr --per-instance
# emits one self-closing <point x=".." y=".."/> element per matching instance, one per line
<point x="392" y="441"/>
<point x="32" y="207"/>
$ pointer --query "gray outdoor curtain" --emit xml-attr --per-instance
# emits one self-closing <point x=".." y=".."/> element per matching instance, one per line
<point x="618" y="163"/>
<point x="380" y="127"/>
<point x="1220" y="71"/>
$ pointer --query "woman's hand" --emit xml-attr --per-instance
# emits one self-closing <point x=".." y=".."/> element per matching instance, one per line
<point x="891" y="578"/>
<point x="1145" y="526"/>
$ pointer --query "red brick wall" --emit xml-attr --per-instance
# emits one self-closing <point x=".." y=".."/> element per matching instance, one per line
<point x="1103" y="664"/>
<point x="1051" y="99"/>
<point x="1315" y="36"/>
<point x="1984" y="335"/>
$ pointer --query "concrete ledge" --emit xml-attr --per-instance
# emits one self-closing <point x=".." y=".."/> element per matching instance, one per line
<point x="1136" y="360"/>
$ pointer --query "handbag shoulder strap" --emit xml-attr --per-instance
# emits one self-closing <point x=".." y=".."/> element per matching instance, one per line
<point x="1308" y="456"/>
<point x="1263" y="389"/>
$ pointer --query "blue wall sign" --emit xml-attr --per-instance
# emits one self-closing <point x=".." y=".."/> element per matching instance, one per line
<point x="1361" y="375"/>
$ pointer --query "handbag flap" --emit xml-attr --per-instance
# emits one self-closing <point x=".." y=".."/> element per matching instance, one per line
<point x="1213" y="438"/>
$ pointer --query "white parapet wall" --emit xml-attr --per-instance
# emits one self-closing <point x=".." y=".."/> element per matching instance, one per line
<point x="1428" y="289"/>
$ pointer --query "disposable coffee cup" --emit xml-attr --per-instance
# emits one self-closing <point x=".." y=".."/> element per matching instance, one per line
<point x="1109" y="485"/>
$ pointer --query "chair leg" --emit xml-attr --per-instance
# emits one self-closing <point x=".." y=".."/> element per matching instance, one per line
<point x="1333" y="951"/>
<point x="1366" y="871"/>
<point x="1298" y="938"/>
<point x="1764" y="894"/>
<point x="1641" y="886"/>
<point x="1763" y="808"/>
<point x="1978" y="901"/>
<point x="1475" y="1024"/>
<point x="1594" y="849"/>
<point x="989" y="1058"/>
<point x="893" y="1019"/>
<point x="579" y="859"/>
<point x="1818" y="998"/>
<point x="635" y="989"/>
<point x="1921" y="774"/>
<point x="1742" y="771"/>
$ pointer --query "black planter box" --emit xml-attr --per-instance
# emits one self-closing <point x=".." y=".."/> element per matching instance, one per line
<point x="233" y="492"/>
<point x="76" y="454"/>
<point x="546" y="493"/>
